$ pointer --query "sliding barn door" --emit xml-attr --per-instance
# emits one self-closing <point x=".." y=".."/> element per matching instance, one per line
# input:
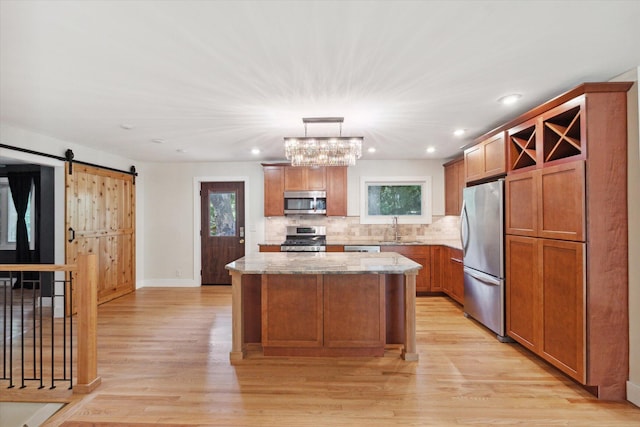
<point x="100" y="219"/>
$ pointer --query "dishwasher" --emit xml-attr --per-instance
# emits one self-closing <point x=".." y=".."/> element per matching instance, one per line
<point x="361" y="248"/>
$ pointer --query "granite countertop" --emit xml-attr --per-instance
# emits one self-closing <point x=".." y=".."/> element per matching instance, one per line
<point x="323" y="263"/>
<point x="453" y="243"/>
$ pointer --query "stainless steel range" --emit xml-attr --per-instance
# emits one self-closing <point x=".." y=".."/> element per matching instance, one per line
<point x="305" y="239"/>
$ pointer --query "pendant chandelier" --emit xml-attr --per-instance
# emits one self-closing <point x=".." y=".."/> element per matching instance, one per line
<point x="323" y="151"/>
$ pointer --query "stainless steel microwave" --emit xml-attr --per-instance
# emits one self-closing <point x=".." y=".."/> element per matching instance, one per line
<point x="305" y="202"/>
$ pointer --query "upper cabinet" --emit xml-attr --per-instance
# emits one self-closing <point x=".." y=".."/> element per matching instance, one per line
<point x="304" y="178"/>
<point x="336" y="178"/>
<point x="273" y="190"/>
<point x="454" y="183"/>
<point x="548" y="202"/>
<point x="555" y="136"/>
<point x="279" y="178"/>
<point x="486" y="159"/>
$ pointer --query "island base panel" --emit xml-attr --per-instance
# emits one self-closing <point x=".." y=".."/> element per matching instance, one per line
<point x="394" y="308"/>
<point x="323" y="352"/>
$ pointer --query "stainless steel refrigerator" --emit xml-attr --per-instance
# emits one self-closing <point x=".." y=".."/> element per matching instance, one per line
<point x="482" y="233"/>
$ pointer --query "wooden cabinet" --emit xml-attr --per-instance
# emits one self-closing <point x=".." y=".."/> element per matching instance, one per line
<point x="336" y="183"/>
<point x="545" y="300"/>
<point x="269" y="248"/>
<point x="420" y="254"/>
<point x="439" y="256"/>
<point x="485" y="160"/>
<point x="287" y="297"/>
<point x="523" y="292"/>
<point x="555" y="136"/>
<point x="548" y="202"/>
<point x="567" y="230"/>
<point x="454" y="183"/>
<point x="304" y="178"/>
<point x="273" y="190"/>
<point x="455" y="275"/>
<point x="345" y="295"/>
<point x="279" y="178"/>
<point x="563" y="323"/>
<point x="313" y="315"/>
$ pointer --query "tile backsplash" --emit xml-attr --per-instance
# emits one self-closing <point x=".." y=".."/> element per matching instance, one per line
<point x="349" y="229"/>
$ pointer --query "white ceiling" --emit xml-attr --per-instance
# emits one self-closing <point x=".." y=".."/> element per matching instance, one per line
<point x="218" y="78"/>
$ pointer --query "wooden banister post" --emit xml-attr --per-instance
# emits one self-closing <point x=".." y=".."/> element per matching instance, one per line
<point x="86" y="285"/>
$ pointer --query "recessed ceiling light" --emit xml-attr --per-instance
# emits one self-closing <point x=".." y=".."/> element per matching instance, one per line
<point x="459" y="132"/>
<point x="255" y="151"/>
<point x="158" y="141"/>
<point x="510" y="99"/>
<point x="126" y="126"/>
<point x="431" y="150"/>
<point x="371" y="149"/>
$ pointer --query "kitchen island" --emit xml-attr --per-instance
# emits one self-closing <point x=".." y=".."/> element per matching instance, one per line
<point x="323" y="304"/>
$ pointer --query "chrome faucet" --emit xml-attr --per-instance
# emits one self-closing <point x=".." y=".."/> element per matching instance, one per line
<point x="396" y="237"/>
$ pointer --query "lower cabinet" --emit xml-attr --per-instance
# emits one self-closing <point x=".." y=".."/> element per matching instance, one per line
<point x="545" y="300"/>
<point x="454" y="275"/>
<point x="420" y="254"/>
<point x="438" y="259"/>
<point x="330" y="315"/>
<point x="269" y="248"/>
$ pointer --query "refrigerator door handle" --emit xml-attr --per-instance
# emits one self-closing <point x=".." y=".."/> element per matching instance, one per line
<point x="485" y="278"/>
<point x="464" y="220"/>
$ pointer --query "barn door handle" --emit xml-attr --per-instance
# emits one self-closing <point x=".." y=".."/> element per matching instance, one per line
<point x="72" y="234"/>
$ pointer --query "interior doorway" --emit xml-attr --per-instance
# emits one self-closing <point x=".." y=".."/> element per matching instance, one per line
<point x="222" y="229"/>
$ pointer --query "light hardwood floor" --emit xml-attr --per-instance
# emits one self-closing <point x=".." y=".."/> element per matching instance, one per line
<point x="164" y="359"/>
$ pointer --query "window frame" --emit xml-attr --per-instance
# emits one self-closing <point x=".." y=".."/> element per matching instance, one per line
<point x="425" y="183"/>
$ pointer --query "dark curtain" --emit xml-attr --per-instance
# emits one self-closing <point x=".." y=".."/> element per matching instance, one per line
<point x="37" y="185"/>
<point x="20" y="185"/>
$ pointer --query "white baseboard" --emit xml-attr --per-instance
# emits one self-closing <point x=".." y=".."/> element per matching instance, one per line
<point x="633" y="393"/>
<point x="168" y="283"/>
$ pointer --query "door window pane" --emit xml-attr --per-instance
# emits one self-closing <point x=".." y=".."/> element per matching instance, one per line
<point x="222" y="214"/>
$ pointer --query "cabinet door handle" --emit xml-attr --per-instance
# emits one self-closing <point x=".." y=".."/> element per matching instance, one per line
<point x="72" y="234"/>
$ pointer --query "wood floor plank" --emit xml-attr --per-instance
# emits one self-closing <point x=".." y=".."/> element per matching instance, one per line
<point x="164" y="360"/>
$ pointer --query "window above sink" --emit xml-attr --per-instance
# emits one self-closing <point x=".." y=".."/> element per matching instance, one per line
<point x="407" y="198"/>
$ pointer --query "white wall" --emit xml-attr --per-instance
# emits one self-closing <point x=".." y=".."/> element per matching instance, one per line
<point x="172" y="244"/>
<point x="633" y="200"/>
<point x="171" y="228"/>
<point x="17" y="137"/>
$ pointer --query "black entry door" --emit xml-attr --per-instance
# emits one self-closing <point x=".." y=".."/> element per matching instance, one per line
<point x="222" y="229"/>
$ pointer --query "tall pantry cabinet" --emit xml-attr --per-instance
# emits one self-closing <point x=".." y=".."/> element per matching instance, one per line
<point x="566" y="243"/>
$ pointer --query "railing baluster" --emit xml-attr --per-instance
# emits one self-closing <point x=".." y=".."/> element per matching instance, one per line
<point x="41" y="337"/>
<point x="34" y="326"/>
<point x="11" y="385"/>
<point x="70" y="293"/>
<point x="34" y="280"/>
<point x="22" y="328"/>
<point x="4" y="327"/>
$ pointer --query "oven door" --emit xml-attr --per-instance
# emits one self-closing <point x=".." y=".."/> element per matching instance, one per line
<point x="301" y="248"/>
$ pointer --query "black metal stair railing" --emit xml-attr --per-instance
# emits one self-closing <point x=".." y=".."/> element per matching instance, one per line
<point x="37" y="329"/>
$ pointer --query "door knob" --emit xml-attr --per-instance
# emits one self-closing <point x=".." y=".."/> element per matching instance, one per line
<point x="241" y="240"/>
